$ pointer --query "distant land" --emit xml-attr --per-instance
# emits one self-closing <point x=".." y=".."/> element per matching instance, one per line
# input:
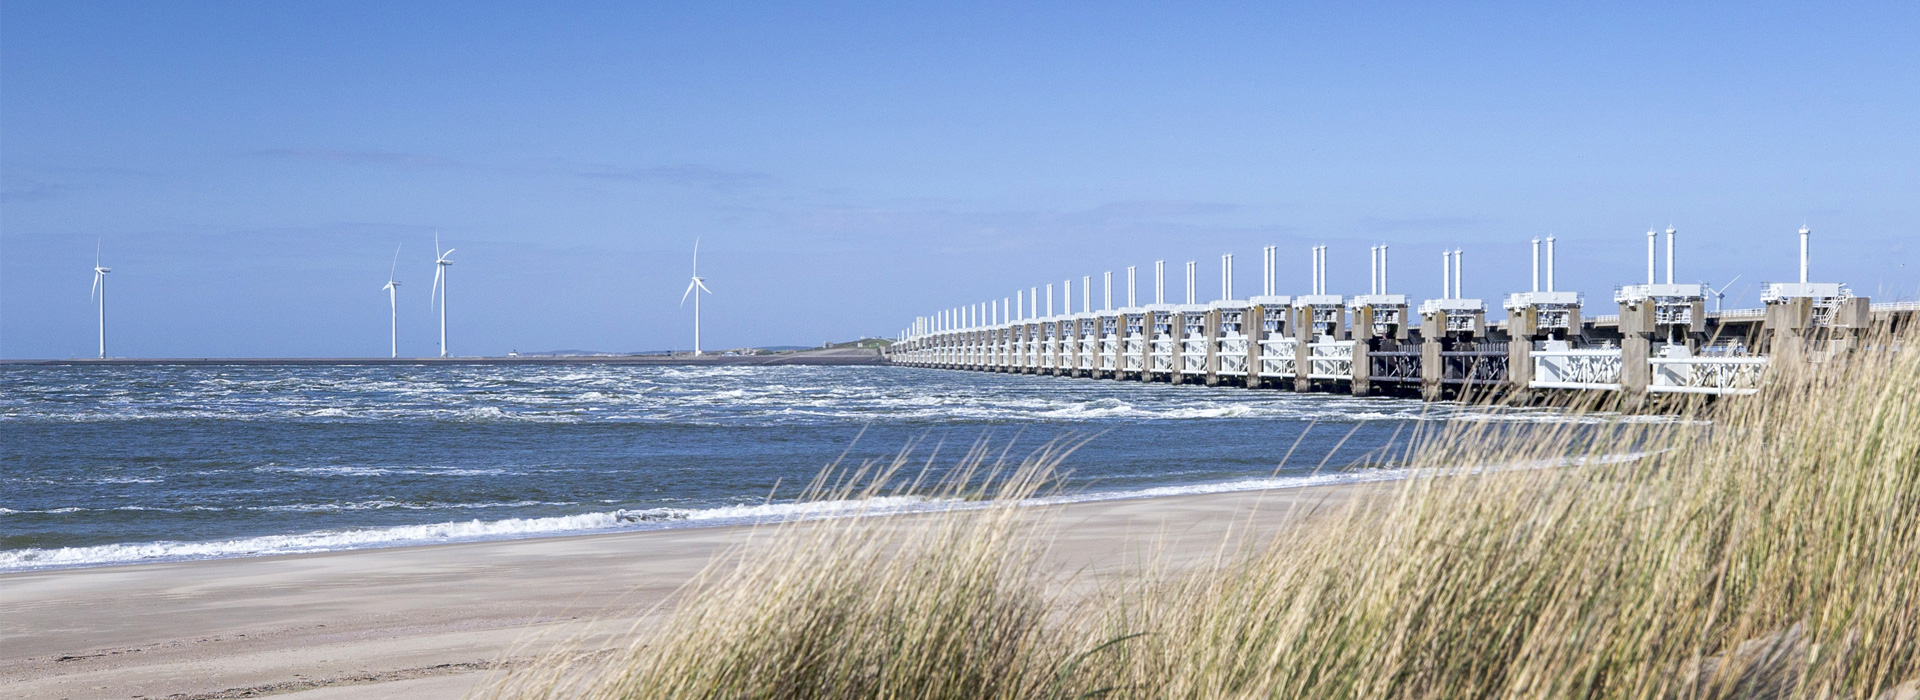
<point x="859" y="352"/>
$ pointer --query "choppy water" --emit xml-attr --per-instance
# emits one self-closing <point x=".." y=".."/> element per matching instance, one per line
<point x="119" y="464"/>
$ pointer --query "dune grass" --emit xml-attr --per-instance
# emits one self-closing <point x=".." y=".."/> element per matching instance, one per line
<point x="1759" y="547"/>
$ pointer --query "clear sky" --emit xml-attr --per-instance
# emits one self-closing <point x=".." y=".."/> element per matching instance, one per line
<point x="248" y="168"/>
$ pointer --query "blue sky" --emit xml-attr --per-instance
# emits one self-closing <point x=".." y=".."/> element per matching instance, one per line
<point x="250" y="167"/>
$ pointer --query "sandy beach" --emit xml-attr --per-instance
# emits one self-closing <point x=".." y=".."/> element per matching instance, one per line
<point x="429" y="622"/>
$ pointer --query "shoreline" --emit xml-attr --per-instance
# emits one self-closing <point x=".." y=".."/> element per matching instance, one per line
<point x="430" y="620"/>
<point x="438" y="533"/>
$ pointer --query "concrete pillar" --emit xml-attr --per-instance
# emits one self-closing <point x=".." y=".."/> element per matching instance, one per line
<point x="1362" y="382"/>
<point x="1212" y="326"/>
<point x="1519" y="369"/>
<point x="1635" y="371"/>
<point x="1303" y="350"/>
<point x="1146" y="346"/>
<point x="1432" y="371"/>
<point x="1178" y="330"/>
<point x="1253" y="322"/>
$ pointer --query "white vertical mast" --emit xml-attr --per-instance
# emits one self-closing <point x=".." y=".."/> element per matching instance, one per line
<point x="1266" y="271"/>
<point x="1460" y="261"/>
<point x="1373" y="270"/>
<point x="1536" y="264"/>
<point x="1190" y="274"/>
<point x="1383" y="269"/>
<point x="1549" y="263"/>
<point x="1226" y="276"/>
<point x="1670" y="233"/>
<point x="1805" y="233"/>
<point x="1651" y="234"/>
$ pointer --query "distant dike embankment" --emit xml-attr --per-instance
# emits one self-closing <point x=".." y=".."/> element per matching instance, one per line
<point x="835" y="356"/>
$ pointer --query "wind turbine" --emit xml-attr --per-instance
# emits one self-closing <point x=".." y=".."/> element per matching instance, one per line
<point x="700" y="285"/>
<point x="393" y="306"/>
<point x="100" y="292"/>
<point x="440" y="262"/>
<point x="1720" y="295"/>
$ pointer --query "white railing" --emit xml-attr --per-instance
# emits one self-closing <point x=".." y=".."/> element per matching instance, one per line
<point x="1136" y="345"/>
<point x="1330" y="360"/>
<point x="1109" y="346"/>
<point x="1049" y="350"/>
<point x="1163" y="353"/>
<point x="1708" y="375"/>
<point x="1233" y="355"/>
<point x="1597" y="368"/>
<point x="1193" y="354"/>
<point x="1276" y="356"/>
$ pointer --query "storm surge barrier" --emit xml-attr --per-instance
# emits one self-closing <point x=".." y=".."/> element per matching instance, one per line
<point x="1661" y="340"/>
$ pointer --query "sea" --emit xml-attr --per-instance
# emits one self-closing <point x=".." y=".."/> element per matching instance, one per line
<point x="119" y="465"/>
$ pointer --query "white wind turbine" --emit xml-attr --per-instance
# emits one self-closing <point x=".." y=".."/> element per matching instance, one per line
<point x="393" y="306"/>
<point x="100" y="292"/>
<point x="1719" y="295"/>
<point x="440" y="262"/>
<point x="701" y="286"/>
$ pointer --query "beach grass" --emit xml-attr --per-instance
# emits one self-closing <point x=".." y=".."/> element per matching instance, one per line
<point x="1766" y="546"/>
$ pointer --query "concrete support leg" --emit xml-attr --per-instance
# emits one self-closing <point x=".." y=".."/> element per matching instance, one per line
<point x="1431" y="370"/>
<point x="1362" y="383"/>
<point x="1635" y="371"/>
<point x="1519" y="370"/>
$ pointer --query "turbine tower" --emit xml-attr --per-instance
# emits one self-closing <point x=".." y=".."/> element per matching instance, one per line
<point x="440" y="262"/>
<point x="393" y="306"/>
<point x="100" y="292"/>
<point x="693" y="288"/>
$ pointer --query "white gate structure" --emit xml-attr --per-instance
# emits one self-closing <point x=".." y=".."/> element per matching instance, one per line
<point x="1277" y="356"/>
<point x="1231" y="347"/>
<point x="1193" y="342"/>
<point x="1680" y="371"/>
<point x="1590" y="368"/>
<point x="1136" y="344"/>
<point x="1331" y="359"/>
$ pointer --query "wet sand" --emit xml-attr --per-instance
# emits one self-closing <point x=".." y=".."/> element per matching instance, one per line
<point x="429" y="622"/>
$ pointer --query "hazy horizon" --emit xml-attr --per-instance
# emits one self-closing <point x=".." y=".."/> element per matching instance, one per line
<point x="248" y="169"/>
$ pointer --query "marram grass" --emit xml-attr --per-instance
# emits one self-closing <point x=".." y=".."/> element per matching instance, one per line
<point x="1759" y="547"/>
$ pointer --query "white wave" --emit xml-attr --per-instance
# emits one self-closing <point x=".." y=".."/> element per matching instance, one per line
<point x="402" y="505"/>
<point x="379" y="471"/>
<point x="471" y="530"/>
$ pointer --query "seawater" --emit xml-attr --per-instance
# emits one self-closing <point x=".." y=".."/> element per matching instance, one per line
<point x="104" y="465"/>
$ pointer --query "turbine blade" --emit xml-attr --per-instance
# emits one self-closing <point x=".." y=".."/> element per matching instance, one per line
<point x="696" y="256"/>
<point x="443" y="256"/>
<point x="96" y="284"/>
<point x="703" y="286"/>
<point x="396" y="264"/>
<point x="438" y="272"/>
<point x="683" y="295"/>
